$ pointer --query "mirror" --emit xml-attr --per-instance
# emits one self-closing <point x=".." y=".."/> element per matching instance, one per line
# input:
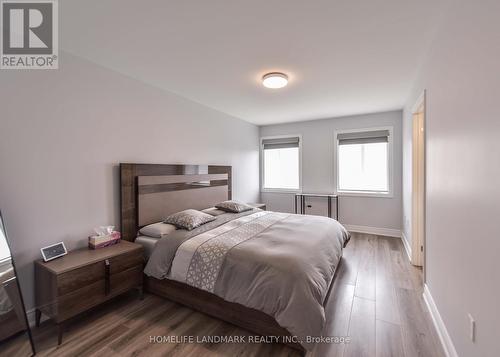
<point x="15" y="334"/>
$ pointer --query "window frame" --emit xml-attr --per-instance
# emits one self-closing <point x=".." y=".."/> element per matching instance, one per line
<point x="262" y="164"/>
<point x="390" y="164"/>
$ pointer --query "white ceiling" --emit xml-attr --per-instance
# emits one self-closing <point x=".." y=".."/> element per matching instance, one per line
<point x="343" y="57"/>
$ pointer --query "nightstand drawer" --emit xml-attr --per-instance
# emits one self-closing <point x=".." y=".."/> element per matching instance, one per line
<point x="126" y="280"/>
<point x="79" y="278"/>
<point x="126" y="261"/>
<point x="80" y="300"/>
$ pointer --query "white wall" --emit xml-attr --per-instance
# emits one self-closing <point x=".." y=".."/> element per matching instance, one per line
<point x="318" y="169"/>
<point x="462" y="79"/>
<point x="64" y="132"/>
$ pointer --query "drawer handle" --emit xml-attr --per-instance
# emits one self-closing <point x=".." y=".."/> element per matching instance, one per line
<point x="106" y="277"/>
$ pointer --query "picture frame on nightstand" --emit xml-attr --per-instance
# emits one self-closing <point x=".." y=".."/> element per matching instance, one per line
<point x="53" y="251"/>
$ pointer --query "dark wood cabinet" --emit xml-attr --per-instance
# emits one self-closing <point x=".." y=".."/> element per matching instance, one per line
<point x="85" y="278"/>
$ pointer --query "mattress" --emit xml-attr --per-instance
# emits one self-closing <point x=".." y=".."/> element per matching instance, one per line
<point x="148" y="243"/>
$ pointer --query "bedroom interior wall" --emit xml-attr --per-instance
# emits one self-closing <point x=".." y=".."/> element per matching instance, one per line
<point x="461" y="76"/>
<point x="64" y="132"/>
<point x="318" y="170"/>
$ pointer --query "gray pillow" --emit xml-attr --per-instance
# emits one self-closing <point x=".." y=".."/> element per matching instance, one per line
<point x="189" y="219"/>
<point x="233" y="206"/>
<point x="213" y="211"/>
<point x="157" y="230"/>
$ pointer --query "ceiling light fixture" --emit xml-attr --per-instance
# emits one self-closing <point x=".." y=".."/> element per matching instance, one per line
<point x="275" y="80"/>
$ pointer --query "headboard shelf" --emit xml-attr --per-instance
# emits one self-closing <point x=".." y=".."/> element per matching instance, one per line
<point x="149" y="192"/>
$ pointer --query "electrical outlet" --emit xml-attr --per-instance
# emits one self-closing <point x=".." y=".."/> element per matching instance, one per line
<point x="472" y="328"/>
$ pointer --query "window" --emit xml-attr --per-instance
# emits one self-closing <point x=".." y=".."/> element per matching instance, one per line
<point x="281" y="163"/>
<point x="363" y="162"/>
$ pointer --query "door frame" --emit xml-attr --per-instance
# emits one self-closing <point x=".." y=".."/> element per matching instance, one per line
<point x="418" y="181"/>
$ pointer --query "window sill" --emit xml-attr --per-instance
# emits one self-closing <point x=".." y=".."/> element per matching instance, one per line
<point x="279" y="190"/>
<point x="365" y="194"/>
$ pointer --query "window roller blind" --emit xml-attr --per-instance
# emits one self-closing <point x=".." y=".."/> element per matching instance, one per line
<point x="366" y="137"/>
<point x="280" y="143"/>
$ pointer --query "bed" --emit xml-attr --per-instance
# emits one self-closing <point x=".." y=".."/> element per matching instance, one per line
<point x="267" y="272"/>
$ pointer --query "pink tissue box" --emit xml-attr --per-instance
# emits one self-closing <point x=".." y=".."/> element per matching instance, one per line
<point x="96" y="242"/>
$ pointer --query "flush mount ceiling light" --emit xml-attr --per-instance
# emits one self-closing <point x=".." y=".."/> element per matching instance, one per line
<point x="275" y="80"/>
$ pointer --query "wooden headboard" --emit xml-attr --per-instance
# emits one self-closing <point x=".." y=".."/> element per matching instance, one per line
<point x="150" y="192"/>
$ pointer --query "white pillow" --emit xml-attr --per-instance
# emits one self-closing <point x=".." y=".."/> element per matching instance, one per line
<point x="157" y="230"/>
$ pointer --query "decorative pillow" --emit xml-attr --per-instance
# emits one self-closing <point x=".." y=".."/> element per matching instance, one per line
<point x="157" y="230"/>
<point x="189" y="219"/>
<point x="233" y="206"/>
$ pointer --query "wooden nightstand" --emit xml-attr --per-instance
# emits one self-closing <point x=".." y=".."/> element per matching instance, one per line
<point x="262" y="206"/>
<point x="85" y="278"/>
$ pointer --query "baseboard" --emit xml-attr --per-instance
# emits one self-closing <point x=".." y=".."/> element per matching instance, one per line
<point x="374" y="230"/>
<point x="449" y="348"/>
<point x="406" y="245"/>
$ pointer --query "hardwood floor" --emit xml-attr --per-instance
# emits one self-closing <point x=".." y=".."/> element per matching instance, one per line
<point x="376" y="301"/>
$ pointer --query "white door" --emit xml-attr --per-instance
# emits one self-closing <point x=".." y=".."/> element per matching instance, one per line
<point x="418" y="197"/>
